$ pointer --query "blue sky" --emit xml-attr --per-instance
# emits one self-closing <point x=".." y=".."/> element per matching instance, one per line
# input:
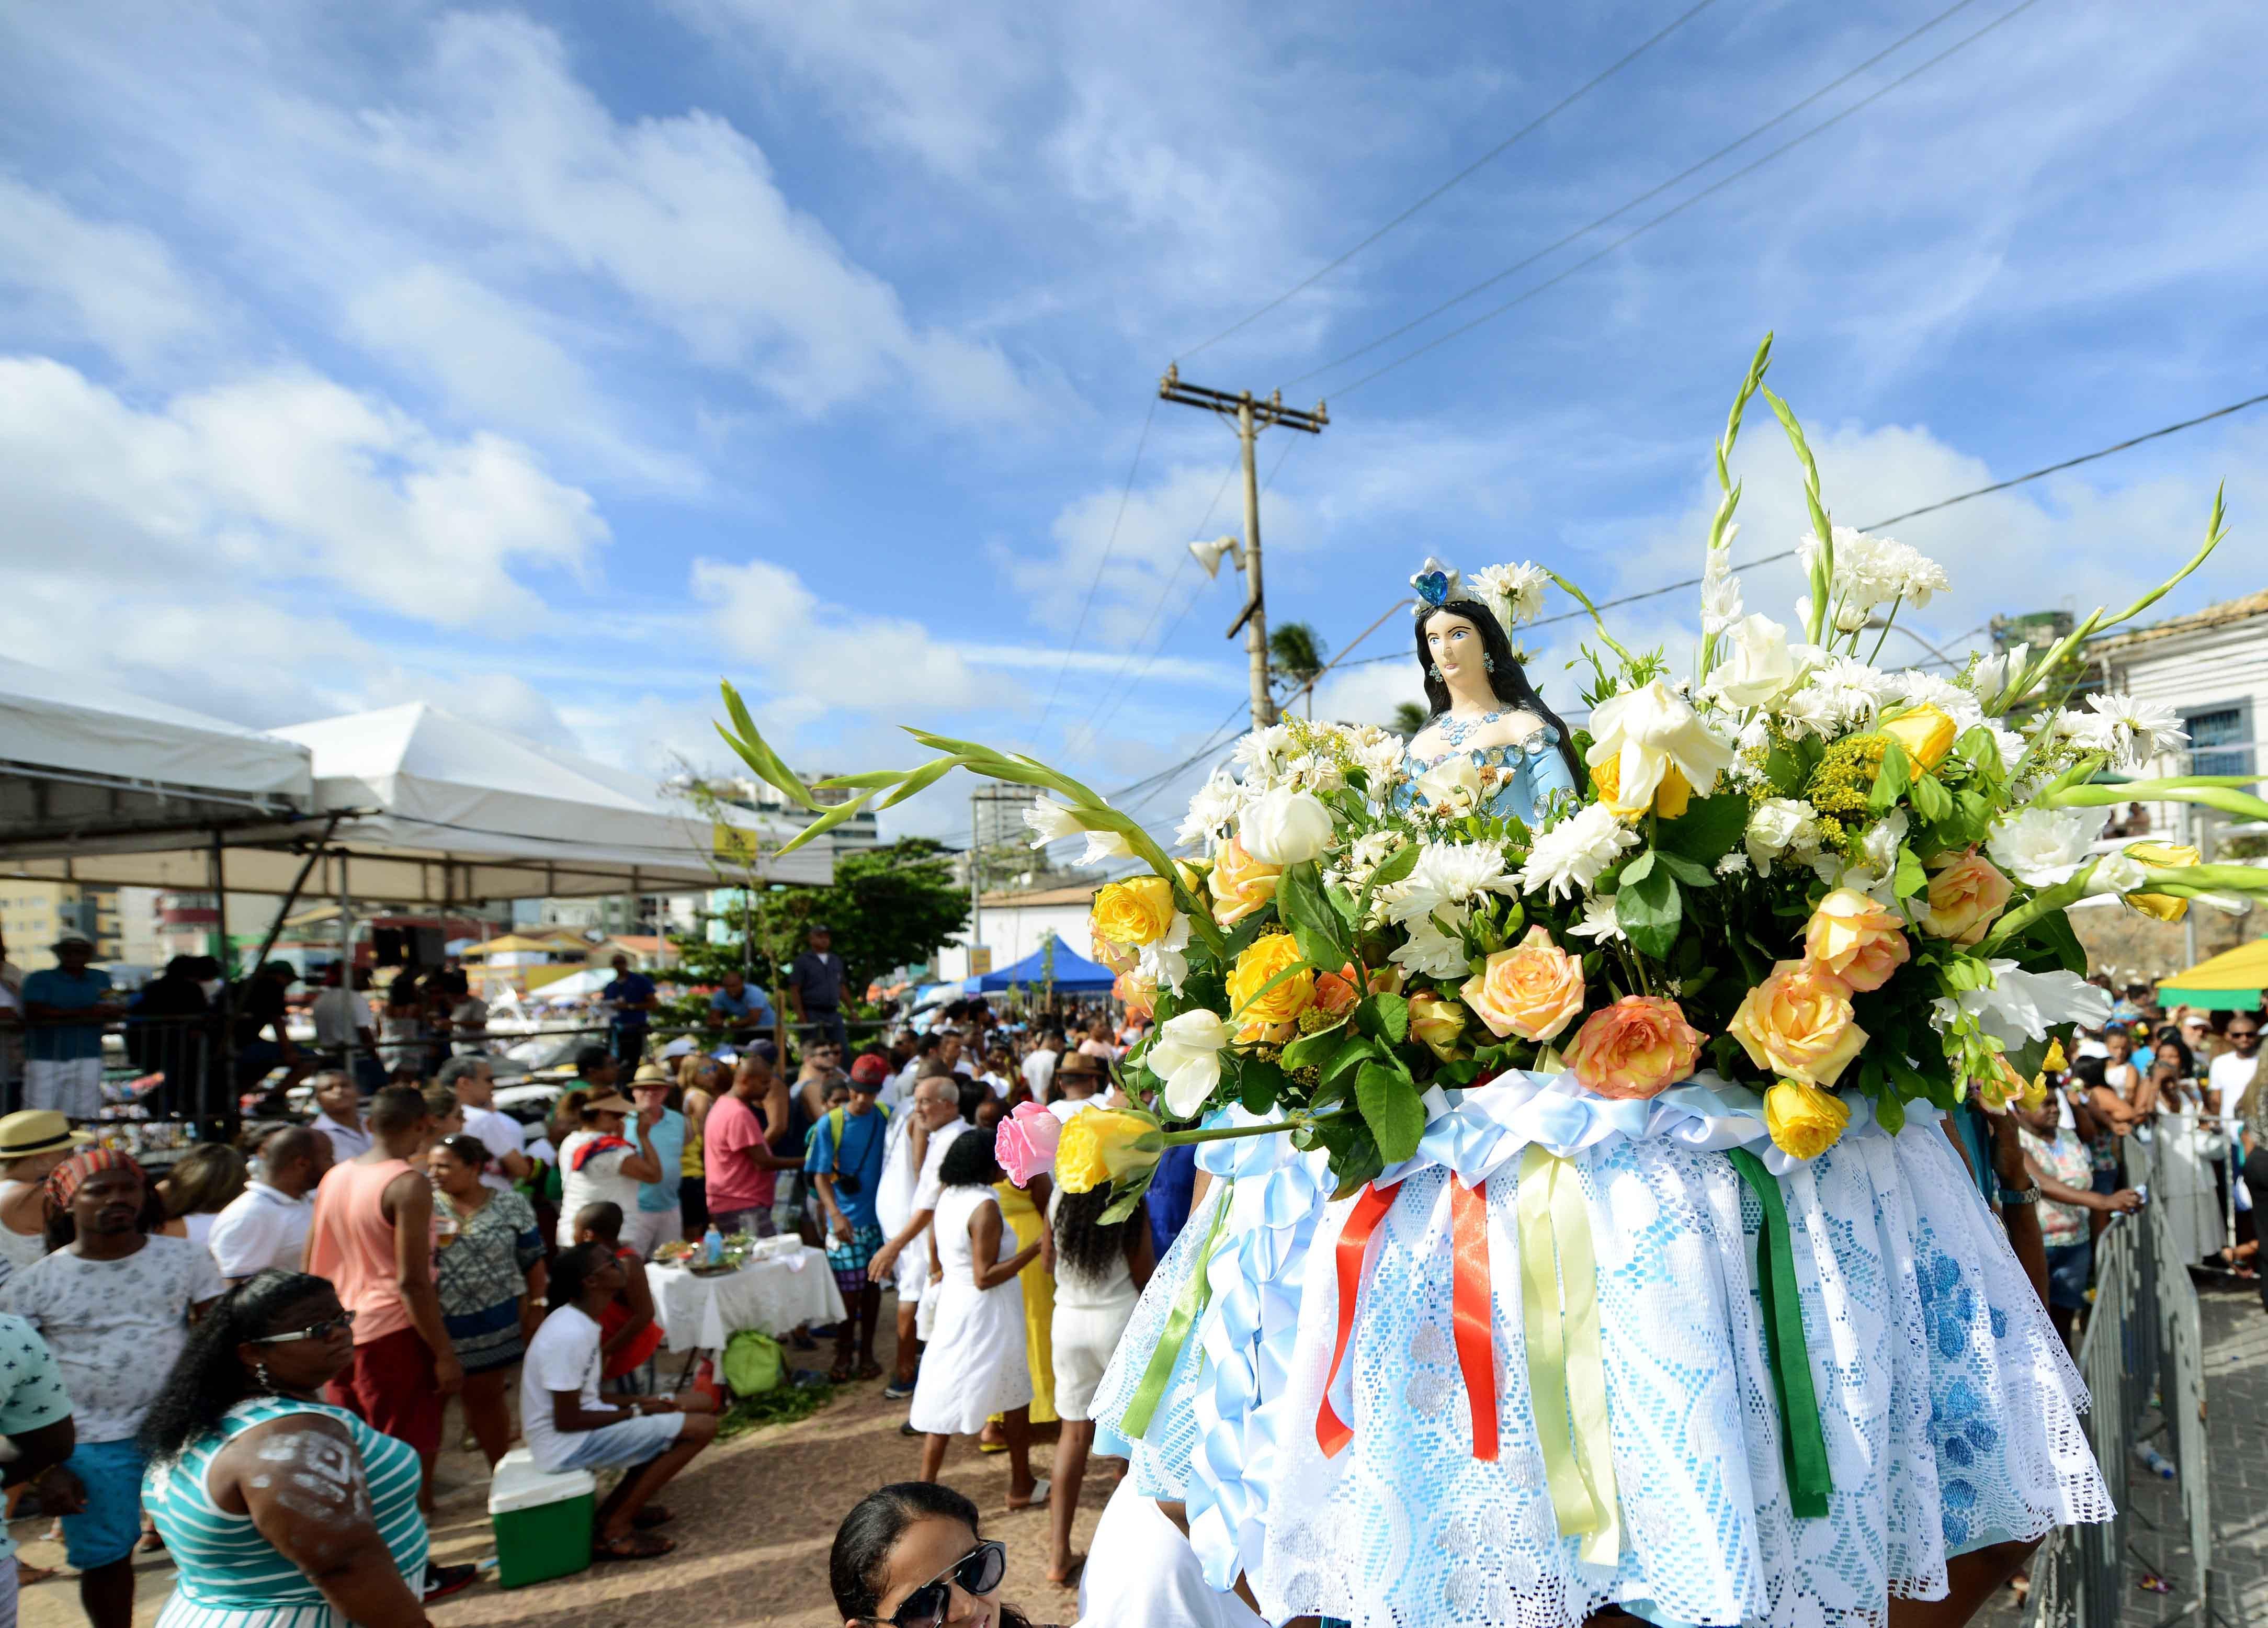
<point x="549" y="364"/>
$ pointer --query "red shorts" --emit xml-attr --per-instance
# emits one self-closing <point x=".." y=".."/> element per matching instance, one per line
<point x="391" y="1387"/>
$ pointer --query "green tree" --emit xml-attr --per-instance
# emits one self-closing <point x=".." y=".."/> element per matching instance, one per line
<point x="1296" y="654"/>
<point x="1409" y="719"/>
<point x="887" y="907"/>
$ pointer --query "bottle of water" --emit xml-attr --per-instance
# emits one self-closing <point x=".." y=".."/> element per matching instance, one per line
<point x="712" y="1245"/>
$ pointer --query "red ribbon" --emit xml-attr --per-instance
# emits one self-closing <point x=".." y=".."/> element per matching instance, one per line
<point x="1468" y="1300"/>
<point x="1333" y="1433"/>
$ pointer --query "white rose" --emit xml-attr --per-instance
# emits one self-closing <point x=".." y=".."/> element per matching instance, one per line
<point x="2044" y="846"/>
<point x="1781" y="827"/>
<point x="1759" y="666"/>
<point x="1286" y="827"/>
<point x="1186" y="1055"/>
<point x="1649" y="729"/>
<point x="1452" y="784"/>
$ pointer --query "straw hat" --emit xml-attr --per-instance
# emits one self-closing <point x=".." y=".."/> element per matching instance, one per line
<point x="38" y="1130"/>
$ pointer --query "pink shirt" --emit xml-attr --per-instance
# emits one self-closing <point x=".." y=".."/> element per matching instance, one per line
<point x="732" y="1128"/>
<point x="351" y="1242"/>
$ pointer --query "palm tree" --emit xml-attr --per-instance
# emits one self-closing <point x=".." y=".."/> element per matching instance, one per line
<point x="1409" y="719"/>
<point x="1296" y="655"/>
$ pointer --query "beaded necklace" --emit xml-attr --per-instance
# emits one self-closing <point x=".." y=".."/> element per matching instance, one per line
<point x="1453" y="729"/>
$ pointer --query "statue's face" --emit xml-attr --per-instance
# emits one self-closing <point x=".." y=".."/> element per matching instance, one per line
<point x="1454" y="645"/>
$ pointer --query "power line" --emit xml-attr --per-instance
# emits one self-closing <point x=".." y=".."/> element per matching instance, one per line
<point x="1087" y="604"/>
<point x="1821" y="129"/>
<point x="1623" y="208"/>
<point x="1509" y="141"/>
<point x="1927" y="508"/>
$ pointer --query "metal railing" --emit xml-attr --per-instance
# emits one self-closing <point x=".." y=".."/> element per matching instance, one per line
<point x="2142" y="1355"/>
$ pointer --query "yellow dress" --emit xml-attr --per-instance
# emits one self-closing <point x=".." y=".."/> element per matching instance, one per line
<point x="1022" y="1216"/>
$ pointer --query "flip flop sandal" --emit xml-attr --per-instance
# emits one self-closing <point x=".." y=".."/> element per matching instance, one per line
<point x="652" y="1515"/>
<point x="1040" y="1487"/>
<point x="870" y="1370"/>
<point x="631" y="1546"/>
<point x="991" y="1447"/>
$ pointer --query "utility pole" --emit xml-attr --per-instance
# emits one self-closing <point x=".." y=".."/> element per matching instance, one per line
<point x="1251" y="416"/>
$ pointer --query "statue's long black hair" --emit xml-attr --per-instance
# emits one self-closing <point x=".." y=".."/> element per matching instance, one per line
<point x="208" y="1378"/>
<point x="1506" y="677"/>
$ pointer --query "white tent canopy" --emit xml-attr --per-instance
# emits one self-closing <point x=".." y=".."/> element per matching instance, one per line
<point x="85" y="765"/>
<point x="434" y="809"/>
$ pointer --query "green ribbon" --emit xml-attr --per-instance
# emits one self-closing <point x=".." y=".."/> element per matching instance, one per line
<point x="1191" y="1301"/>
<point x="1803" y="1445"/>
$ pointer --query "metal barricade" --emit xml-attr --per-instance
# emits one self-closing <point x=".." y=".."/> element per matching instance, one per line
<point x="2142" y="1356"/>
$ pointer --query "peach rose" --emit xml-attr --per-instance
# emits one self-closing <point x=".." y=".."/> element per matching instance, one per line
<point x="1240" y="883"/>
<point x="1336" y="992"/>
<point x="1533" y="988"/>
<point x="1139" y="993"/>
<point x="1855" y="938"/>
<point x="1638" y="1047"/>
<point x="1797" y="1022"/>
<point x="1109" y="954"/>
<point x="1965" y="895"/>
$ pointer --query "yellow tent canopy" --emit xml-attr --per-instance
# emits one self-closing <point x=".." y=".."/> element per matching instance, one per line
<point x="2229" y="982"/>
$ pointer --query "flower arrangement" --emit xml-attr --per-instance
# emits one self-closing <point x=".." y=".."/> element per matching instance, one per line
<point x="1824" y="879"/>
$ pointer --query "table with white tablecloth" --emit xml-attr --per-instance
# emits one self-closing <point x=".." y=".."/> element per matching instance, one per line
<point x="698" y="1311"/>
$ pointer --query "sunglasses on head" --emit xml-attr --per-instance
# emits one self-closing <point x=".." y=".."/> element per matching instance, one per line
<point x="978" y="1572"/>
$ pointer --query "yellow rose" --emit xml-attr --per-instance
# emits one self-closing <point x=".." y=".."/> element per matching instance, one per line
<point x="1804" y="1120"/>
<point x="1856" y="939"/>
<point x="1926" y="734"/>
<point x="1670" y="797"/>
<point x="1256" y="1013"/>
<point x="2163" y="906"/>
<point x="1101" y="1144"/>
<point x="1797" y="1022"/>
<point x="1240" y="883"/>
<point x="1435" y="1023"/>
<point x="1532" y="990"/>
<point x="1133" y="913"/>
<point x="1966" y="893"/>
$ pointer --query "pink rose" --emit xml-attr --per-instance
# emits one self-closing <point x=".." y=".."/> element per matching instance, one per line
<point x="1532" y="990"/>
<point x="1856" y="939"/>
<point x="1638" y="1047"/>
<point x="1025" y="1144"/>
<point x="1965" y="892"/>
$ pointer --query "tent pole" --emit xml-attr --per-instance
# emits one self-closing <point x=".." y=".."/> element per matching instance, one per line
<point x="347" y="967"/>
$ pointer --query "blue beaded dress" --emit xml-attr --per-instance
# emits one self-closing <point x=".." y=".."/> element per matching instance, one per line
<point x="1518" y="779"/>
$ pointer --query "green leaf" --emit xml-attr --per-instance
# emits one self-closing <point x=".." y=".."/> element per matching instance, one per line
<point x="1300" y="901"/>
<point x="1313" y="1050"/>
<point x="1650" y="912"/>
<point x="1395" y="866"/>
<point x="1891" y="780"/>
<point x="1910" y="879"/>
<point x="1710" y="827"/>
<point x="1341" y="901"/>
<point x="1353" y="1048"/>
<point x="1931" y="800"/>
<point x="1393" y="1017"/>
<point x="1685" y="870"/>
<point x="1262" y="1084"/>
<point x="1981" y="750"/>
<point x="2054" y="931"/>
<point x="1638" y="869"/>
<point x="1890" y="1112"/>
<point x="1124" y="1197"/>
<point x="1392" y="1109"/>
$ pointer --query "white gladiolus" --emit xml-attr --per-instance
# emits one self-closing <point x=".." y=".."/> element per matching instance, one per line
<point x="1286" y="828"/>
<point x="2044" y="846"/>
<point x="1648" y="730"/>
<point x="2117" y="873"/>
<point x="1186" y="1055"/>
<point x="1167" y="960"/>
<point x="1758" y="667"/>
<point x="2019" y="1007"/>
<point x="1051" y="821"/>
<point x="1570" y="857"/>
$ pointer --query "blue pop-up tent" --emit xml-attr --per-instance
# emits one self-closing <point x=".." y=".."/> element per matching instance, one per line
<point x="1068" y="970"/>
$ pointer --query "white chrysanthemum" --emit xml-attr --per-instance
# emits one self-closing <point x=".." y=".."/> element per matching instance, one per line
<point x="1518" y="590"/>
<point x="2132" y="731"/>
<point x="1570" y="857"/>
<point x="2044" y="846"/>
<point x="1432" y="951"/>
<point x="1264" y="757"/>
<point x="1874" y="866"/>
<point x="1838" y="695"/>
<point x="1598" y="923"/>
<point x="1378" y="753"/>
<point x="1213" y="813"/>
<point x="1734" y="863"/>
<point x="1781" y="827"/>
<point x="1914" y="688"/>
<point x="1450" y="874"/>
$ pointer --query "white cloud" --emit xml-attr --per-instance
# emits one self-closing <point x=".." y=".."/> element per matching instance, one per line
<point x="75" y="278"/>
<point x="276" y="479"/>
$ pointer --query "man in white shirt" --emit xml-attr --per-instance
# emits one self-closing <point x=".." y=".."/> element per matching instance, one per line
<point x="1039" y="1067"/>
<point x="342" y="1015"/>
<point x="266" y="1224"/>
<point x="474" y="1081"/>
<point x="338" y="1119"/>
<point x="2233" y="1071"/>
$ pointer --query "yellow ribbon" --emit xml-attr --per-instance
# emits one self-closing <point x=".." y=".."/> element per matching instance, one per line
<point x="1567" y="1362"/>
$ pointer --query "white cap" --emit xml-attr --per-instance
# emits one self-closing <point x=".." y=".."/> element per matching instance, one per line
<point x="679" y="1046"/>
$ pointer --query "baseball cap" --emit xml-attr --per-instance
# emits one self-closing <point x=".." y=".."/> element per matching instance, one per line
<point x="869" y="1070"/>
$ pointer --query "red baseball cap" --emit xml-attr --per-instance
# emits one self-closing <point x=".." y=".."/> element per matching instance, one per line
<point x="869" y="1070"/>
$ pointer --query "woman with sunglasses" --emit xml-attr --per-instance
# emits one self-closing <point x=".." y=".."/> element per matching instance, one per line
<point x="277" y="1508"/>
<point x="910" y="1556"/>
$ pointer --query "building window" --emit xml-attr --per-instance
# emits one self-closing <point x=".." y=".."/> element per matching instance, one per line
<point x="2221" y="739"/>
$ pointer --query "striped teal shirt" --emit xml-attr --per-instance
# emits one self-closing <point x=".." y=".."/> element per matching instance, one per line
<point x="223" y="1560"/>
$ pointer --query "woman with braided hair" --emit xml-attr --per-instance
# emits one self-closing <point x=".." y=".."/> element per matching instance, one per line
<point x="279" y="1510"/>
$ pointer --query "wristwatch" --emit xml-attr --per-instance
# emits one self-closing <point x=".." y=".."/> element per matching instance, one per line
<point x="2019" y="1195"/>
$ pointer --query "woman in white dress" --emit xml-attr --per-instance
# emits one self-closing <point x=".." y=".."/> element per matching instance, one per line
<point x="1100" y="1274"/>
<point x="975" y="1366"/>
